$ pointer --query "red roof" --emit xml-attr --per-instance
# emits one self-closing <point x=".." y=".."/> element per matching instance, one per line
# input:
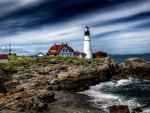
<point x="100" y="53"/>
<point x="3" y="56"/>
<point x="76" y="53"/>
<point x="83" y="54"/>
<point x="57" y="48"/>
<point x="79" y="53"/>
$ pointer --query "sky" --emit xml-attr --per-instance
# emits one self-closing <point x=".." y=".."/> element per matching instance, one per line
<point x="117" y="26"/>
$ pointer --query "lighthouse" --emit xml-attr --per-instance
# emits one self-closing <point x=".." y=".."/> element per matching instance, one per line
<point x="87" y="43"/>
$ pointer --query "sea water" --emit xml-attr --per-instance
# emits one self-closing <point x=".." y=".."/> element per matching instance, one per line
<point x="131" y="92"/>
<point x="122" y="58"/>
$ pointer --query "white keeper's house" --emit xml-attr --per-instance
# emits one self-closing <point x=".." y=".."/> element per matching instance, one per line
<point x="64" y="50"/>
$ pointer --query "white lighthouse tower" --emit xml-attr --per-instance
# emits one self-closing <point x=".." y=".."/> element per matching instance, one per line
<point x="87" y="43"/>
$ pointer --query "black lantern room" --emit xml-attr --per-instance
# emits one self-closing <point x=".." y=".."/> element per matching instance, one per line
<point x="86" y="31"/>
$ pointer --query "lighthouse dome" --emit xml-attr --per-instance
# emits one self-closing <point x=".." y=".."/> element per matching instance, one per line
<point x="86" y="30"/>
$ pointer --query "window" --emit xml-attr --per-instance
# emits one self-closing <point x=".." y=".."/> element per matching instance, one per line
<point x="65" y="50"/>
<point x="53" y="50"/>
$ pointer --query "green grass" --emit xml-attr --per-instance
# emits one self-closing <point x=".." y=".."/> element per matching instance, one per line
<point x="9" y="65"/>
<point x="47" y="65"/>
<point x="28" y="62"/>
<point x="95" y="62"/>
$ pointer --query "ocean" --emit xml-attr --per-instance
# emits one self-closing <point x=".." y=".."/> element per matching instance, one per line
<point x="131" y="92"/>
<point x="122" y="58"/>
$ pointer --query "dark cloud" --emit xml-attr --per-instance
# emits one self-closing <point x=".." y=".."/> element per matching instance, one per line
<point x="145" y="25"/>
<point x="48" y="12"/>
<point x="144" y="15"/>
<point x="23" y="21"/>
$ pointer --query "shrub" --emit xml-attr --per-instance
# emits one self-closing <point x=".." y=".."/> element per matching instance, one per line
<point x="9" y="65"/>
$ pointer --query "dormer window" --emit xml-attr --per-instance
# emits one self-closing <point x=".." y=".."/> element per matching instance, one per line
<point x="53" y="50"/>
<point x="64" y="50"/>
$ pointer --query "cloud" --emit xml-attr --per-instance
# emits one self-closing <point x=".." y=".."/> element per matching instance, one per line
<point x="115" y="12"/>
<point x="19" y="51"/>
<point x="114" y="28"/>
<point x="127" y="42"/>
<point x="8" y="6"/>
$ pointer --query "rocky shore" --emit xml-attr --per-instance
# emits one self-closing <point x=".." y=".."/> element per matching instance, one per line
<point x="50" y="85"/>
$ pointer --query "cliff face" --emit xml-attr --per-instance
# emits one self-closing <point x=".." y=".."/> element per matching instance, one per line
<point x="63" y="74"/>
<point x="31" y="83"/>
<point x="80" y="77"/>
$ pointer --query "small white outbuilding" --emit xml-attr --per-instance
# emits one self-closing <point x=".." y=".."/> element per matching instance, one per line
<point x="40" y="54"/>
<point x="3" y="57"/>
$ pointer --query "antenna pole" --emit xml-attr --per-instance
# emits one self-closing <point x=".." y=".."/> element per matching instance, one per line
<point x="10" y="49"/>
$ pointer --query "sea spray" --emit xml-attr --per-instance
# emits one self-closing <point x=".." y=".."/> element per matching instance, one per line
<point x="131" y="92"/>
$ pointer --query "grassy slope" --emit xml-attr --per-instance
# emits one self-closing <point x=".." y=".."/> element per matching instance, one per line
<point x="29" y="62"/>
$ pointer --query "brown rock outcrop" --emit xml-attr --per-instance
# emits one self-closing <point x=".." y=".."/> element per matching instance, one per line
<point x="136" y="110"/>
<point x="20" y="99"/>
<point x="135" y="68"/>
<point x="118" y="109"/>
<point x="80" y="78"/>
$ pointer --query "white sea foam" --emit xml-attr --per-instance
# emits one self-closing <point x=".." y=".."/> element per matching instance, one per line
<point x="109" y="93"/>
<point x="96" y="87"/>
<point x="129" y="81"/>
<point x="104" y="99"/>
<point x="123" y="82"/>
<point x="132" y="103"/>
<point x="99" y="95"/>
<point x="146" y="110"/>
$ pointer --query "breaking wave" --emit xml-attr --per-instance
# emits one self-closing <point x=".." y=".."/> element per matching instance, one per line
<point x="131" y="92"/>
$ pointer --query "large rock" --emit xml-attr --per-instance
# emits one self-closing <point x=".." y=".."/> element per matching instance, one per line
<point x="47" y="97"/>
<point x="3" y="89"/>
<point x="5" y="76"/>
<point x="136" y="110"/>
<point x="81" y="77"/>
<point x="118" y="109"/>
<point x="23" y="76"/>
<point x="26" y="104"/>
<point x="16" y="90"/>
<point x="20" y="99"/>
<point x="11" y="84"/>
<point x="40" y="106"/>
<point x="138" y="60"/>
<point x="133" y="67"/>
